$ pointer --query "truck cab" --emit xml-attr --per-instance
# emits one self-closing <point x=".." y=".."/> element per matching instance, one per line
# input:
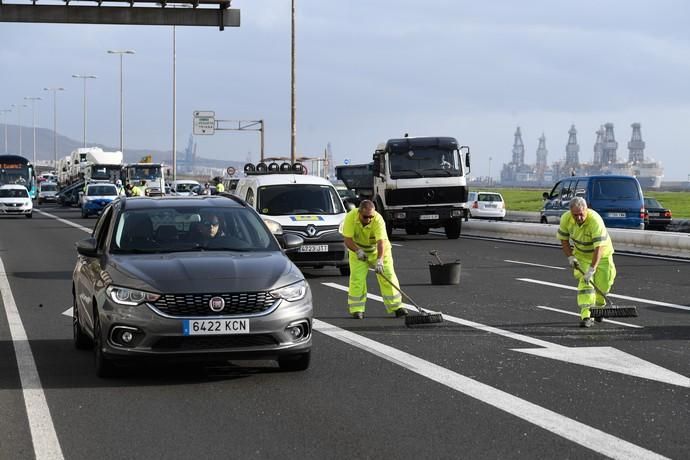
<point x="417" y="183"/>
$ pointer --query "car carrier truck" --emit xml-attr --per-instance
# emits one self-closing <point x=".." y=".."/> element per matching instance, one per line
<point x="417" y="183"/>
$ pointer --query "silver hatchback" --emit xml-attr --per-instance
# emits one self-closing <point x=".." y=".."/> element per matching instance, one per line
<point x="189" y="278"/>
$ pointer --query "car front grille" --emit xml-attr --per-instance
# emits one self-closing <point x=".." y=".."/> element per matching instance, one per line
<point x="215" y="342"/>
<point x="332" y="256"/>
<point x="240" y="303"/>
<point x="426" y="195"/>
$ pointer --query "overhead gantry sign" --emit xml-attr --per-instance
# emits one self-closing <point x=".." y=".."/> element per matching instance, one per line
<point x="136" y="12"/>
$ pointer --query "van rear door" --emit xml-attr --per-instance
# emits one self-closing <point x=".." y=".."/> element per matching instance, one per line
<point x="619" y="201"/>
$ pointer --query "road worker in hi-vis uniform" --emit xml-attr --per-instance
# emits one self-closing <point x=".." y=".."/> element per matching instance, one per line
<point x="364" y="232"/>
<point x="592" y="252"/>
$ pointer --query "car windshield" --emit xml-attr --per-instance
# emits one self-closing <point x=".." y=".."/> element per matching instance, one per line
<point x="101" y="190"/>
<point x="616" y="189"/>
<point x="652" y="203"/>
<point x="490" y="197"/>
<point x="181" y="229"/>
<point x="48" y="187"/>
<point x="14" y="193"/>
<point x="291" y="199"/>
<point x="185" y="187"/>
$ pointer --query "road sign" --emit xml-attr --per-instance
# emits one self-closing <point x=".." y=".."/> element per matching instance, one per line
<point x="231" y="171"/>
<point x="346" y="161"/>
<point x="204" y="122"/>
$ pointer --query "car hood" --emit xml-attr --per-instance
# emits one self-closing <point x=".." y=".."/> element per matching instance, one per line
<point x="204" y="271"/>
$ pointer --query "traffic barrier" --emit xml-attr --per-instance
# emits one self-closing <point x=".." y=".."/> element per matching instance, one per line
<point x="640" y="241"/>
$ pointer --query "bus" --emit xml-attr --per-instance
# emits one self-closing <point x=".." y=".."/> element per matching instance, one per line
<point x="15" y="169"/>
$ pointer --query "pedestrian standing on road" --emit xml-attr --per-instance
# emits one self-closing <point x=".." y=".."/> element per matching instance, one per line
<point x="591" y="252"/>
<point x="364" y="232"/>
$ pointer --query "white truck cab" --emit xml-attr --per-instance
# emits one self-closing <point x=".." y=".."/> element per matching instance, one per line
<point x="308" y="206"/>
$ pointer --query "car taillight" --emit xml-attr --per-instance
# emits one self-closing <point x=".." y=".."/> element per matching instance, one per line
<point x="643" y="213"/>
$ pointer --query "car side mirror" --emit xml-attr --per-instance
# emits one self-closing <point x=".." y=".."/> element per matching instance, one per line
<point x="87" y="247"/>
<point x="291" y="242"/>
<point x="349" y="205"/>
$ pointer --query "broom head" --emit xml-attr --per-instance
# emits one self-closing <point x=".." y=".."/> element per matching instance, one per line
<point x="423" y="318"/>
<point x="628" y="311"/>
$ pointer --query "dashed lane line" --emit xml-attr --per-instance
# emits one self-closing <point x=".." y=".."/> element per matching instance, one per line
<point x="65" y="221"/>
<point x="577" y="314"/>
<point x="43" y="435"/>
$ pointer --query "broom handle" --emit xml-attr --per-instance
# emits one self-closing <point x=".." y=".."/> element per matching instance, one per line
<point x="606" y="299"/>
<point x="419" y="309"/>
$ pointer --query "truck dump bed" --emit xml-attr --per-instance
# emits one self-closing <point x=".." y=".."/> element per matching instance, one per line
<point x="359" y="178"/>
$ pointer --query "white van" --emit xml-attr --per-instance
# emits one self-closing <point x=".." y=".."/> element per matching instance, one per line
<point x="307" y="206"/>
<point x="183" y="187"/>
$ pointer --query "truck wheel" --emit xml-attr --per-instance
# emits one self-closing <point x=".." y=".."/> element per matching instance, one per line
<point x="453" y="229"/>
<point x="389" y="229"/>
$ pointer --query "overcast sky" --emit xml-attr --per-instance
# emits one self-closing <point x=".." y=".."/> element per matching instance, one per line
<point x="371" y="70"/>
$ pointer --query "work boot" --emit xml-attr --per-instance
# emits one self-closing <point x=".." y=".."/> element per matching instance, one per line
<point x="400" y="312"/>
<point x="358" y="315"/>
<point x="598" y="319"/>
<point x="587" y="322"/>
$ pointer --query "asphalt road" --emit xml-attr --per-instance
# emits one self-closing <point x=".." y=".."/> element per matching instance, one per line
<point x="509" y="374"/>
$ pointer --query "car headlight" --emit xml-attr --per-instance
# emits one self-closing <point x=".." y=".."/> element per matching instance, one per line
<point x="132" y="297"/>
<point x="274" y="226"/>
<point x="292" y="292"/>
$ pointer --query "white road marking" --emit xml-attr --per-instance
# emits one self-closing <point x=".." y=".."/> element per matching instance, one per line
<point x="559" y="311"/>
<point x="65" y="221"/>
<point x="605" y="358"/>
<point x="572" y="430"/>
<point x="617" y="296"/>
<point x="43" y="435"/>
<point x="534" y="265"/>
<point x="68" y="312"/>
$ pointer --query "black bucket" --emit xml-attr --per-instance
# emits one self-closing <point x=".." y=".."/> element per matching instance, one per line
<point x="445" y="273"/>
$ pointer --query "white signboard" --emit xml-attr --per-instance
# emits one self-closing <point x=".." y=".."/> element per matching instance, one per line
<point x="204" y="122"/>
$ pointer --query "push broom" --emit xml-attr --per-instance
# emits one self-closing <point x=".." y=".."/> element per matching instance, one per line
<point x="609" y="310"/>
<point x="424" y="316"/>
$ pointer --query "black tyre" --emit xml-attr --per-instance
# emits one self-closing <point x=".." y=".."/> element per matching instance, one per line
<point x="104" y="366"/>
<point x="543" y="220"/>
<point x="344" y="270"/>
<point x="292" y="363"/>
<point x="30" y="215"/>
<point x="453" y="229"/>
<point x="84" y="214"/>
<point x="389" y="229"/>
<point x="81" y="340"/>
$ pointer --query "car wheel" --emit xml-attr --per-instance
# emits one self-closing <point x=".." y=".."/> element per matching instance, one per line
<point x="81" y="340"/>
<point x="84" y="214"/>
<point x="40" y="202"/>
<point x="30" y="215"/>
<point x="104" y="366"/>
<point x="344" y="270"/>
<point x="543" y="220"/>
<point x="298" y="362"/>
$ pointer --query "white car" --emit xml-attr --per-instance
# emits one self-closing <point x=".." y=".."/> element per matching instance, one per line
<point x="47" y="192"/>
<point x="15" y="200"/>
<point x="183" y="187"/>
<point x="486" y="205"/>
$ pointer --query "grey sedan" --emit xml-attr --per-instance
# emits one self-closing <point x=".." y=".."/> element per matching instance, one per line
<point x="189" y="278"/>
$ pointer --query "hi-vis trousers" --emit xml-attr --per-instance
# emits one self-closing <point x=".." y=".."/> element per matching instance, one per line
<point x="604" y="277"/>
<point x="357" y="292"/>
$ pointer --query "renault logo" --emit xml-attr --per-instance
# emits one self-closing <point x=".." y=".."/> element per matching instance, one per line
<point x="216" y="304"/>
<point x="311" y="230"/>
<point x="430" y="195"/>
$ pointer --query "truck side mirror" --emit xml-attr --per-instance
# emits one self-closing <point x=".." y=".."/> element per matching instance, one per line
<point x="376" y="167"/>
<point x="466" y="150"/>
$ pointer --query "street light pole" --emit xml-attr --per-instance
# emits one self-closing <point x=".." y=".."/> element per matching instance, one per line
<point x="84" y="78"/>
<point x="54" y="90"/>
<point x="122" y="111"/>
<point x="33" y="120"/>
<point x="174" y="105"/>
<point x="4" y="120"/>
<point x="19" y="123"/>
<point x="293" y="110"/>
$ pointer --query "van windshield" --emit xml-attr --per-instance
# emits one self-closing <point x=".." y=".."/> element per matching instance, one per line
<point x="290" y="199"/>
<point x="615" y="189"/>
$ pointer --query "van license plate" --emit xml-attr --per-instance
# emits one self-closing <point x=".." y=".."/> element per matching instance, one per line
<point x="215" y="326"/>
<point x="616" y="214"/>
<point x="428" y="217"/>
<point x="313" y="248"/>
